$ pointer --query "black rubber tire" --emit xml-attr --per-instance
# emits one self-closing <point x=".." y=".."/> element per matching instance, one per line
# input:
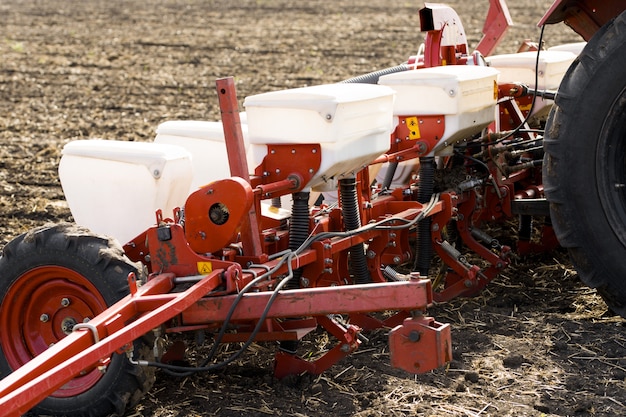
<point x="584" y="170"/>
<point x="101" y="261"/>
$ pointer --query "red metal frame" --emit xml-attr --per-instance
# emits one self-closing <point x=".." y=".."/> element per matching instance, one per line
<point x="418" y="133"/>
<point x="225" y="244"/>
<point x="496" y="24"/>
<point x="236" y="158"/>
<point x="153" y="304"/>
<point x="172" y="255"/>
<point x="584" y="16"/>
<point x="231" y="200"/>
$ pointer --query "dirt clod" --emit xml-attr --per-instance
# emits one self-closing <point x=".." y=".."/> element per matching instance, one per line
<point x="514" y="361"/>
<point x="472" y="377"/>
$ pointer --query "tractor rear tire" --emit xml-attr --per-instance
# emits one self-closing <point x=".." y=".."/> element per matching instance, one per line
<point x="50" y="279"/>
<point x="584" y="170"/>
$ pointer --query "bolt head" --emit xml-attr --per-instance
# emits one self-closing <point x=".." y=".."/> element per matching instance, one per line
<point x="414" y="336"/>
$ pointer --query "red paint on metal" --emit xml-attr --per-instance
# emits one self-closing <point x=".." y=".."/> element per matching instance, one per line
<point x="117" y="327"/>
<point x="236" y="151"/>
<point x="175" y="255"/>
<point x="215" y="213"/>
<point x="496" y="24"/>
<point x="36" y="309"/>
<point x="407" y="295"/>
<point x="420" y="345"/>
<point x="584" y="16"/>
<point x="286" y="364"/>
<point x="294" y="162"/>
<point x="418" y="133"/>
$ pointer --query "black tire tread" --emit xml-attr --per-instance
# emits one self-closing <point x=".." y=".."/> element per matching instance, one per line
<point x="576" y="101"/>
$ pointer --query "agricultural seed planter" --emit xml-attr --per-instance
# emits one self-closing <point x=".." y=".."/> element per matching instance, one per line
<point x="384" y="171"/>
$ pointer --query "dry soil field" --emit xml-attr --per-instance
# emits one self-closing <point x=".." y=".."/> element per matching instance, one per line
<point x="535" y="343"/>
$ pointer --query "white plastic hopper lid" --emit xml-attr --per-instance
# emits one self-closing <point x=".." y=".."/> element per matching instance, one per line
<point x="189" y="128"/>
<point x="323" y="99"/>
<point x="153" y="155"/>
<point x="575" y="47"/>
<point x="448" y="77"/>
<point x="529" y="58"/>
<point x="439" y="76"/>
<point x="196" y="129"/>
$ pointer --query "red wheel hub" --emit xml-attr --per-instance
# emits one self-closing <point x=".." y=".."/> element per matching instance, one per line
<point x="40" y="308"/>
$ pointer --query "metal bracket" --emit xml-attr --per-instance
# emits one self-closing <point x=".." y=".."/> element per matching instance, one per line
<point x="94" y="331"/>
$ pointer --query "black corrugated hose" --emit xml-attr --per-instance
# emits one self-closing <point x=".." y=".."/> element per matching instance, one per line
<point x="298" y="233"/>
<point x="372" y="77"/>
<point x="352" y="221"/>
<point x="424" y="194"/>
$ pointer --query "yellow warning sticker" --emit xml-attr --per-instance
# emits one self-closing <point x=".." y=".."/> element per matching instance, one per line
<point x="414" y="129"/>
<point x="205" y="268"/>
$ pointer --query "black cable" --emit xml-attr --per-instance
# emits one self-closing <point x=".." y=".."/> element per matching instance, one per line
<point x="183" y="371"/>
<point x="532" y="105"/>
<point x="471" y="158"/>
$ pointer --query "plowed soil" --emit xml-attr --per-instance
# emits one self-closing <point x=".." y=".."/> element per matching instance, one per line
<point x="535" y="343"/>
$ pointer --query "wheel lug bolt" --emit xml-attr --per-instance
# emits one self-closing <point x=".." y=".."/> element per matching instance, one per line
<point x="65" y="302"/>
<point x="44" y="318"/>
